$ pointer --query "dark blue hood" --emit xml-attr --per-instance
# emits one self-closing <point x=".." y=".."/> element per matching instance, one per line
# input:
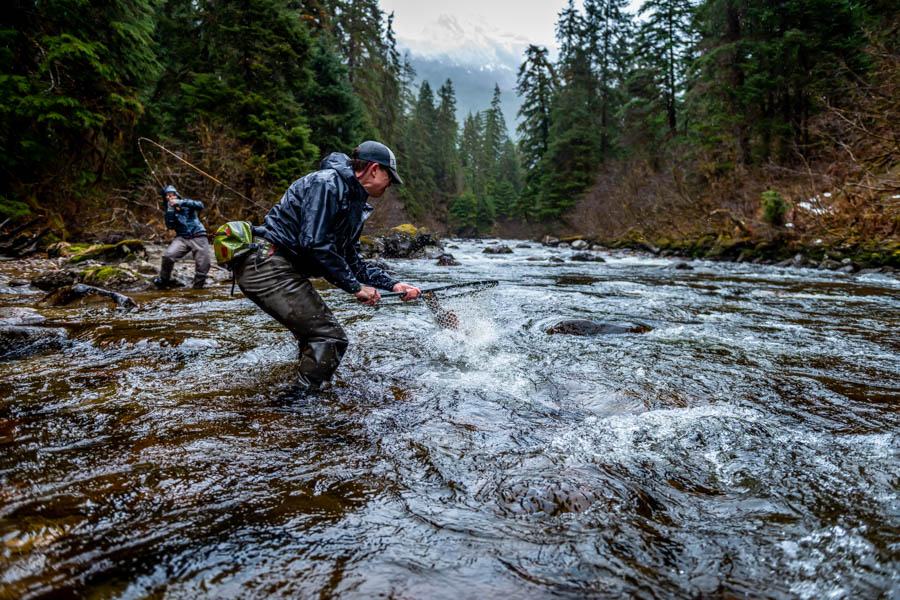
<point x="340" y="162"/>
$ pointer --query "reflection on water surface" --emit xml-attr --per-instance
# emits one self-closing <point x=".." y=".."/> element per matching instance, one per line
<point x="744" y="446"/>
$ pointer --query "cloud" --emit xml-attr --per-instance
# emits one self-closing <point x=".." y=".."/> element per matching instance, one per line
<point x="463" y="42"/>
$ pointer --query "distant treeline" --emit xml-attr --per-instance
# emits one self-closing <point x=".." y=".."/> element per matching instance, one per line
<point x="256" y="92"/>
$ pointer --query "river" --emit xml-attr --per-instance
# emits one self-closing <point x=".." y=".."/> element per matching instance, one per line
<point x="745" y="445"/>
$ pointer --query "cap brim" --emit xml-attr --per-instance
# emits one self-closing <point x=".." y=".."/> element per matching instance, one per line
<point x="395" y="177"/>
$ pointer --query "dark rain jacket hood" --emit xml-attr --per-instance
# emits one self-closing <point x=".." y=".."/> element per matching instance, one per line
<point x="185" y="220"/>
<point x="317" y="225"/>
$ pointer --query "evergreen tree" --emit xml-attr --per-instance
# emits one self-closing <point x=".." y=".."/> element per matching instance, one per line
<point x="471" y="150"/>
<point x="73" y="84"/>
<point x="249" y="75"/>
<point x="445" y="143"/>
<point x="464" y="210"/>
<point x="767" y="69"/>
<point x="419" y="190"/>
<point x="336" y="117"/>
<point x="606" y="27"/>
<point x="536" y="84"/>
<point x="495" y="134"/>
<point x="663" y="52"/>
<point x="571" y="159"/>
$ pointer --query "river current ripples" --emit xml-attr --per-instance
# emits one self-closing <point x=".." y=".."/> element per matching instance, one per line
<point x="743" y="445"/>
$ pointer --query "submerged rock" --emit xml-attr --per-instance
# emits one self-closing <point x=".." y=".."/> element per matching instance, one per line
<point x="20" y="315"/>
<point x="586" y="327"/>
<point x="587" y="257"/>
<point x="501" y="249"/>
<point x="19" y="341"/>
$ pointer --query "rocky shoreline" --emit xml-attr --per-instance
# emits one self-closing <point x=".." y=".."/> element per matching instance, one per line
<point x="848" y="257"/>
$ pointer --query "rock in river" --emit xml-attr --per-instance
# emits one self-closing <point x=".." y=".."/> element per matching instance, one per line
<point x="586" y="327"/>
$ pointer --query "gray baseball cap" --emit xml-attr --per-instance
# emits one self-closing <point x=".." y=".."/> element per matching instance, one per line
<point x="381" y="154"/>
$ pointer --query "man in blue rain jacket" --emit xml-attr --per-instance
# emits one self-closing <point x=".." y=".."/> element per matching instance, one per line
<point x="190" y="236"/>
<point x="314" y="232"/>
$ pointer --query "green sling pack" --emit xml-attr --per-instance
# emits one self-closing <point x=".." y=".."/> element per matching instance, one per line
<point x="233" y="240"/>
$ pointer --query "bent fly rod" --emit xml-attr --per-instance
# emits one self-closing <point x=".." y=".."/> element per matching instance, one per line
<point x="196" y="168"/>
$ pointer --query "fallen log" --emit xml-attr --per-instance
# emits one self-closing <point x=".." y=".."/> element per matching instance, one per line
<point x="17" y="230"/>
<point x="70" y="293"/>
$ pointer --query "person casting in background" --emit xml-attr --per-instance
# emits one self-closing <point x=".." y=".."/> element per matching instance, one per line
<point x="314" y="231"/>
<point x="190" y="236"/>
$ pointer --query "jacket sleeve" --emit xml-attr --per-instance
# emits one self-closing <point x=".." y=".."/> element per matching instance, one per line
<point x="369" y="274"/>
<point x="195" y="204"/>
<point x="320" y="211"/>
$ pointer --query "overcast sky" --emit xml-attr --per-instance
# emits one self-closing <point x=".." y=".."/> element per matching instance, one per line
<point x="509" y="22"/>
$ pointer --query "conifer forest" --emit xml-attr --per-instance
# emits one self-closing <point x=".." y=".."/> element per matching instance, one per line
<point x="702" y="123"/>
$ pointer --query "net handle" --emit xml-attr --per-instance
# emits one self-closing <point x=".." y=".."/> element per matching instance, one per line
<point x="485" y="284"/>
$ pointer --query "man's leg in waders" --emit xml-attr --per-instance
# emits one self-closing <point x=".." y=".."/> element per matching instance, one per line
<point x="175" y="252"/>
<point x="289" y="297"/>
<point x="200" y="246"/>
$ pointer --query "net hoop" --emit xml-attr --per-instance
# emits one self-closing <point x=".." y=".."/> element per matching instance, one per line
<point x="454" y="289"/>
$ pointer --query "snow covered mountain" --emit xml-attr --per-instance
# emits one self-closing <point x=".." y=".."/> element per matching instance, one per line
<point x="475" y="57"/>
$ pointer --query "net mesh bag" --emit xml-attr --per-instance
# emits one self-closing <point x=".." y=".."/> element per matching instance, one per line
<point x="461" y="306"/>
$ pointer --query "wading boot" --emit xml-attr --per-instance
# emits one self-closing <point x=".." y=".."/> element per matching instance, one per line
<point x="164" y="280"/>
<point x="199" y="282"/>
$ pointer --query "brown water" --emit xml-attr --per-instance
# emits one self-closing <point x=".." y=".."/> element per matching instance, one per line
<point x="746" y="446"/>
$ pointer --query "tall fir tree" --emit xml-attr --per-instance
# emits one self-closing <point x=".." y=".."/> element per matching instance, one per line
<point x="606" y="33"/>
<point x="249" y="73"/>
<point x="335" y="115"/>
<point x="419" y="189"/>
<point x="73" y="84"/>
<point x="536" y="85"/>
<point x="767" y="69"/>
<point x="663" y="50"/>
<point x="446" y="165"/>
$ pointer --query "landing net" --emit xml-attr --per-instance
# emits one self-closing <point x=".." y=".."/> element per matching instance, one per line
<point x="466" y="307"/>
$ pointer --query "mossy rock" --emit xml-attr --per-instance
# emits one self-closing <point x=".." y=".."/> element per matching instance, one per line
<point x="63" y="249"/>
<point x="110" y="277"/>
<point x="407" y="229"/>
<point x="124" y="251"/>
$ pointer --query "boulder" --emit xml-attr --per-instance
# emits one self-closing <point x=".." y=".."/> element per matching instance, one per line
<point x="124" y="251"/>
<point x="115" y="278"/>
<point x="447" y="260"/>
<point x="579" y="245"/>
<point x="586" y="327"/>
<point x="51" y="280"/>
<point x="371" y="246"/>
<point x="586" y="257"/>
<point x="400" y="243"/>
<point x="549" y="240"/>
<point x="500" y="249"/>
<point x="59" y="249"/>
<point x="684" y="267"/>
